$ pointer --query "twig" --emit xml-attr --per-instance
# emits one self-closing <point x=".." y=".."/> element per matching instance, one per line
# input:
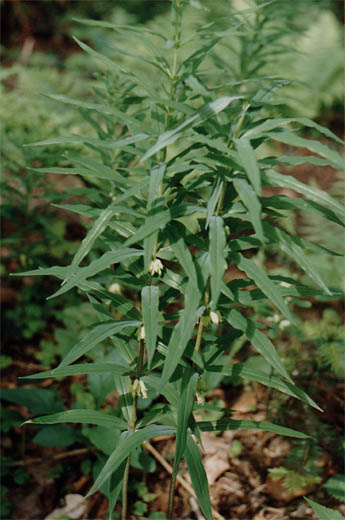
<point x="58" y="456"/>
<point x="179" y="479"/>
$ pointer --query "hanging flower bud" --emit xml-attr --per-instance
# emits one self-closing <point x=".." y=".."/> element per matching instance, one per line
<point x="156" y="266"/>
<point x="215" y="317"/>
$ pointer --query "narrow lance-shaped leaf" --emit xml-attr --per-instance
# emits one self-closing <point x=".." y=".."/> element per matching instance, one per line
<point x="155" y="187"/>
<point x="258" y="340"/>
<point x="252" y="203"/>
<point x="335" y="159"/>
<point x="125" y="447"/>
<point x="185" y="408"/>
<point x="249" y="162"/>
<point x="283" y="202"/>
<point x="115" y="486"/>
<point x="183" y="255"/>
<point x="79" y="275"/>
<point x="271" y="124"/>
<point x="232" y="424"/>
<point x="82" y="368"/>
<point x="99" y="333"/>
<point x="274" y="178"/>
<point x="264" y="283"/>
<point x="96" y="230"/>
<point x="122" y="386"/>
<point x="205" y="112"/>
<point x="213" y="200"/>
<point x="81" y="416"/>
<point x="100" y="173"/>
<point x="151" y="317"/>
<point x="217" y="241"/>
<point x="198" y="476"/>
<point x="182" y="332"/>
<point x="110" y="63"/>
<point x="290" y="246"/>
<point x="240" y="370"/>
<point x="322" y="512"/>
<point x="153" y="222"/>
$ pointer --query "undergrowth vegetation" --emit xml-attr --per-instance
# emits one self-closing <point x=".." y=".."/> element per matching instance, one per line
<point x="183" y="200"/>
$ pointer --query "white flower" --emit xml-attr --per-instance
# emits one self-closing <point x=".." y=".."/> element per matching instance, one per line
<point x="142" y="389"/>
<point x="139" y="389"/>
<point x="283" y="324"/>
<point x="214" y="316"/>
<point x="115" y="288"/>
<point x="200" y="399"/>
<point x="142" y="333"/>
<point x="156" y="266"/>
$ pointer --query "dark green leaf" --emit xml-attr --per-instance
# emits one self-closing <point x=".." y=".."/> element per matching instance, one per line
<point x="198" y="477"/>
<point x="125" y="447"/>
<point x="99" y="333"/>
<point x="258" y="340"/>
<point x="264" y="283"/>
<point x="232" y="424"/>
<point x="81" y="416"/>
<point x="151" y="317"/>
<point x="217" y="240"/>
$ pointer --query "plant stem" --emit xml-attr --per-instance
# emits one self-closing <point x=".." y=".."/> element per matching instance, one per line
<point x="179" y="479"/>
<point x="125" y="490"/>
<point x="132" y="427"/>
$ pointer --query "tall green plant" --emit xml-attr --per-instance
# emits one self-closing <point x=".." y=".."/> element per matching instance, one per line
<point x="181" y="199"/>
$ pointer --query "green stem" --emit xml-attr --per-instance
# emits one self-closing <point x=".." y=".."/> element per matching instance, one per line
<point x="125" y="490"/>
<point x="171" y="496"/>
<point x="132" y="427"/>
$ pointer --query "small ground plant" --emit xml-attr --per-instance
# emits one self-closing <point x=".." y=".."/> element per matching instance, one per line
<point x="180" y="197"/>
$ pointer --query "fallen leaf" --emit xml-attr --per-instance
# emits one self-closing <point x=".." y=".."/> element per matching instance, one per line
<point x="75" y="508"/>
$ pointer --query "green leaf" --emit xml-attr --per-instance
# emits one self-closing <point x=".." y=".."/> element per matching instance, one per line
<point x="155" y="188"/>
<point x="248" y="160"/>
<point x="258" y="340"/>
<point x="184" y="412"/>
<point x="83" y="368"/>
<point x="198" y="476"/>
<point x="96" y="230"/>
<point x="125" y="399"/>
<point x="205" y="112"/>
<point x="157" y="220"/>
<point x="264" y="283"/>
<point x="81" y="416"/>
<point x="217" y="240"/>
<point x="37" y="400"/>
<point x="232" y="424"/>
<point x="252" y="203"/>
<point x="151" y="317"/>
<point x="100" y="172"/>
<point x="282" y="202"/>
<point x="183" y="255"/>
<point x="335" y="486"/>
<point x="125" y="447"/>
<point x="182" y="332"/>
<point x="290" y="245"/>
<point x="79" y="275"/>
<point x="324" y="513"/>
<point x="271" y="124"/>
<point x="98" y="143"/>
<point x="99" y="333"/>
<point x="110" y="63"/>
<point x="56" y="436"/>
<point x="240" y="370"/>
<point x="334" y="158"/>
<point x="274" y="178"/>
